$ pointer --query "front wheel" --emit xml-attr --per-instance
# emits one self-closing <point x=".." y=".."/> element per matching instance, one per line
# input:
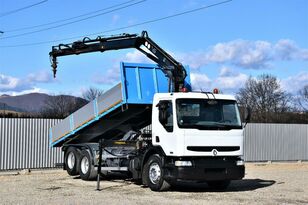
<point x="154" y="174"/>
<point x="86" y="168"/>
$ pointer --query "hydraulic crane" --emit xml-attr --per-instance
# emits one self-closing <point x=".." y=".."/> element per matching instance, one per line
<point x="174" y="70"/>
<point x="193" y="136"/>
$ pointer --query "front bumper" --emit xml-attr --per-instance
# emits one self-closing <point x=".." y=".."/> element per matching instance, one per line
<point x="205" y="169"/>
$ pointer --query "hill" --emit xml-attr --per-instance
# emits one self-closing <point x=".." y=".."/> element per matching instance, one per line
<point x="31" y="103"/>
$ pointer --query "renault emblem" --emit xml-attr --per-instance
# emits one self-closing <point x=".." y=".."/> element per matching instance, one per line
<point x="214" y="151"/>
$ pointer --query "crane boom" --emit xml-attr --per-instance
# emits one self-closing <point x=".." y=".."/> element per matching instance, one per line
<point x="172" y="68"/>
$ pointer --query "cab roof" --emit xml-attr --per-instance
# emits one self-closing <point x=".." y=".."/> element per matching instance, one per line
<point x="205" y="95"/>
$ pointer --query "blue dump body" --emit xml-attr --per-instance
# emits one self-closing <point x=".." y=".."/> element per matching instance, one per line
<point x="124" y="107"/>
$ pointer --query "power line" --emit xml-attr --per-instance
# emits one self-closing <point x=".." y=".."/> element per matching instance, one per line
<point x="121" y="28"/>
<point x="67" y="19"/>
<point x="20" y="9"/>
<point x="72" y="22"/>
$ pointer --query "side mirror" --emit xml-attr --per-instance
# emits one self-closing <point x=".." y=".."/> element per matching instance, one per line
<point x="247" y="115"/>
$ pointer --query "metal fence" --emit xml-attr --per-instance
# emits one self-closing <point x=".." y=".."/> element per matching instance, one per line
<point x="24" y="143"/>
<point x="276" y="142"/>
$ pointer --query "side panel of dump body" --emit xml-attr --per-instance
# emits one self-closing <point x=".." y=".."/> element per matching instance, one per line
<point x="125" y="106"/>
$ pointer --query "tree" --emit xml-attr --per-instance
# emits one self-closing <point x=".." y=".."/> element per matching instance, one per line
<point x="265" y="97"/>
<point x="303" y="98"/>
<point x="61" y="106"/>
<point x="92" y="93"/>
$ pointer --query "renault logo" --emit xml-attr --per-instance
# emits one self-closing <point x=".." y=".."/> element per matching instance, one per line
<point x="214" y="151"/>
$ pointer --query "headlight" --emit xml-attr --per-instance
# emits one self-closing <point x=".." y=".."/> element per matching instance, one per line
<point x="240" y="163"/>
<point x="183" y="163"/>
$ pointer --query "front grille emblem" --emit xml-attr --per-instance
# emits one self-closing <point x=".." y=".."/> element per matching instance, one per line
<point x="214" y="152"/>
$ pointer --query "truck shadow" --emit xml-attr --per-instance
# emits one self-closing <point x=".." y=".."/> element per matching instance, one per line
<point x="235" y="186"/>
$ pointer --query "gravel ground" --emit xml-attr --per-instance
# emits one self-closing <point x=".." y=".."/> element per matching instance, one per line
<point x="263" y="184"/>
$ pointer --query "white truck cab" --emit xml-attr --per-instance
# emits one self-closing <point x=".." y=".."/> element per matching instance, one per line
<point x="197" y="124"/>
<point x="201" y="136"/>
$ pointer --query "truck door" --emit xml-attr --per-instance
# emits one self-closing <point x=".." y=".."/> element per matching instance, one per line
<point x="163" y="127"/>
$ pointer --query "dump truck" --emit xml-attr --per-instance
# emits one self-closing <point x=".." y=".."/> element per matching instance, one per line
<point x="151" y="126"/>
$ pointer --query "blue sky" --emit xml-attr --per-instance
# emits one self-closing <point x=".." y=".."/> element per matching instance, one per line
<point x="223" y="45"/>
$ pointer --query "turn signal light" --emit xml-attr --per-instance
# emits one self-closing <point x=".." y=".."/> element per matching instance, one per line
<point x="215" y="91"/>
<point x="184" y="90"/>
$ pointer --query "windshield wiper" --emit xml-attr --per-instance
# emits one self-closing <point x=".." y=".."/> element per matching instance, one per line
<point x="227" y="125"/>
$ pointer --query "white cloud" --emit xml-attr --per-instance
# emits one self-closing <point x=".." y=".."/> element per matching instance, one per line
<point x="229" y="79"/>
<point x="226" y="72"/>
<point x="241" y="53"/>
<point x="10" y="84"/>
<point x="32" y="90"/>
<point x="135" y="57"/>
<point x="112" y="75"/>
<point x="200" y="81"/>
<point x="245" y="54"/>
<point x="195" y="60"/>
<point x="294" y="83"/>
<point x="40" y="77"/>
<point x="285" y="49"/>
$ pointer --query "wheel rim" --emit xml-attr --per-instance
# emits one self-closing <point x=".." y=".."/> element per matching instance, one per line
<point x="71" y="160"/>
<point x="154" y="173"/>
<point x="84" y="165"/>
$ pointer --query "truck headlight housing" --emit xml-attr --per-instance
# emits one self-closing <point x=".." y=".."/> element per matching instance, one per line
<point x="240" y="162"/>
<point x="183" y="163"/>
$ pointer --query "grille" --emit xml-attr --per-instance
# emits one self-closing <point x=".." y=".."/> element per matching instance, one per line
<point x="210" y="148"/>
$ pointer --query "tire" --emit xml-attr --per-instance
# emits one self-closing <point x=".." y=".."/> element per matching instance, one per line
<point x="86" y="168"/>
<point x="72" y="158"/>
<point x="154" y="174"/>
<point x="219" y="185"/>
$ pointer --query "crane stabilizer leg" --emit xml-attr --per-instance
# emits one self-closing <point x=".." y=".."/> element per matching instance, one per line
<point x="100" y="151"/>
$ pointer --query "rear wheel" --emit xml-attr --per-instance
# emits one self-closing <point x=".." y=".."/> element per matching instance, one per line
<point x="86" y="168"/>
<point x="154" y="174"/>
<point x="219" y="185"/>
<point x="72" y="157"/>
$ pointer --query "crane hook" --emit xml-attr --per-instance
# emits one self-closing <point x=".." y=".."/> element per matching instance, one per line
<point x="54" y="66"/>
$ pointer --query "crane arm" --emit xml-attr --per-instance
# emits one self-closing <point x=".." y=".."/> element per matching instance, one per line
<point x="173" y="69"/>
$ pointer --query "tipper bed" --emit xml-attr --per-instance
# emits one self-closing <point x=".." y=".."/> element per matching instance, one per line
<point x="125" y="106"/>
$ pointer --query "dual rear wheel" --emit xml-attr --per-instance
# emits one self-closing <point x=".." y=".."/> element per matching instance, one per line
<point x="80" y="162"/>
<point x="87" y="169"/>
<point x="72" y="160"/>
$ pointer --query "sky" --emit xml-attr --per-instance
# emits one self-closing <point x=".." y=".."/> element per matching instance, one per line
<point x="223" y="45"/>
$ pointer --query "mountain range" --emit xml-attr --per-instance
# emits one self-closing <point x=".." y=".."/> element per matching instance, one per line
<point x="30" y="103"/>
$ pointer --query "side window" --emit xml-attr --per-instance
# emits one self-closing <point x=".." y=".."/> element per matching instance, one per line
<point x="166" y="114"/>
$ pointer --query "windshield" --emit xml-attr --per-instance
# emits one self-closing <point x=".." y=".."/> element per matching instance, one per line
<point x="208" y="114"/>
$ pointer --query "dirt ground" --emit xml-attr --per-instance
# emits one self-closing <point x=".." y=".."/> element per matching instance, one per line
<point x="263" y="184"/>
